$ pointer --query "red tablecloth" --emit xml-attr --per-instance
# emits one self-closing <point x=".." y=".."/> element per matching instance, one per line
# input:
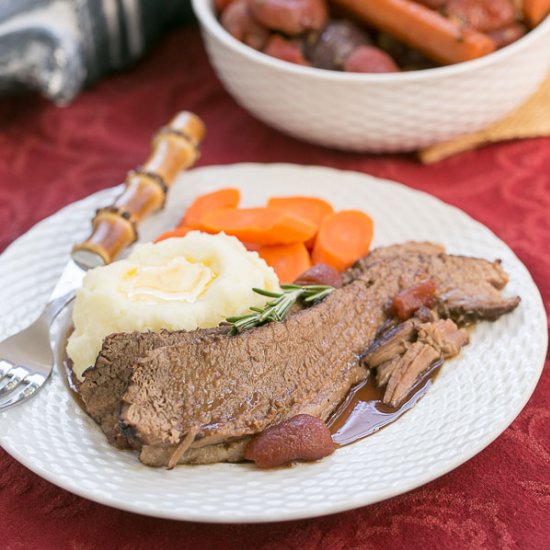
<point x="50" y="157"/>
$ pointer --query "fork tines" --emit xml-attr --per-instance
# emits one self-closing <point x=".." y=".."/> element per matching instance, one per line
<point x="17" y="383"/>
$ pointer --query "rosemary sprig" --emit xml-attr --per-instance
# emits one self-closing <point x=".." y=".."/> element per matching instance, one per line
<point x="277" y="308"/>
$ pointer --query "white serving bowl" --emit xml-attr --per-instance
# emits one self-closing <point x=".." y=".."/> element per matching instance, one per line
<point x="376" y="112"/>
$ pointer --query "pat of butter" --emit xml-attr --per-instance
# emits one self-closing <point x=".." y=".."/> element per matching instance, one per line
<point x="179" y="280"/>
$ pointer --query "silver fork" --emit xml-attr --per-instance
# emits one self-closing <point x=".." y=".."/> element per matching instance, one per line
<point x="26" y="358"/>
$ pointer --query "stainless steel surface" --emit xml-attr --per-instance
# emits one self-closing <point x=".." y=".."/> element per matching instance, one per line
<point x="26" y="358"/>
<point x="86" y="259"/>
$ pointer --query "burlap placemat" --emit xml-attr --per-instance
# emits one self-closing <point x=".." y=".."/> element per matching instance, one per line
<point x="532" y="119"/>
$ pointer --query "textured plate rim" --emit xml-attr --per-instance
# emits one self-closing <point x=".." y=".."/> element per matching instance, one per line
<point x="355" y="501"/>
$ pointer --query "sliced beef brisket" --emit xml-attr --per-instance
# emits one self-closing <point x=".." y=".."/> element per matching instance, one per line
<point x="224" y="388"/>
<point x="105" y="383"/>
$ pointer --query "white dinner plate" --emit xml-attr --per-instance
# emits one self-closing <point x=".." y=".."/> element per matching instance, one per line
<point x="474" y="398"/>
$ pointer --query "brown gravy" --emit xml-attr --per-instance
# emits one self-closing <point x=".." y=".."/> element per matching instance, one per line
<point x="362" y="413"/>
<point x="65" y="368"/>
<point x="69" y="379"/>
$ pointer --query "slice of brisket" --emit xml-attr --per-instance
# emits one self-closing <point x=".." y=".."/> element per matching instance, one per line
<point x="105" y="382"/>
<point x="227" y="388"/>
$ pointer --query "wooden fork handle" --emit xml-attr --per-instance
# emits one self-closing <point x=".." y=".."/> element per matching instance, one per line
<point x="174" y="148"/>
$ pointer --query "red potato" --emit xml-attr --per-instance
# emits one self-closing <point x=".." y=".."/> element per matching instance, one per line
<point x="320" y="274"/>
<point x="238" y="22"/>
<point x="510" y="34"/>
<point x="302" y="437"/>
<point x="368" y="59"/>
<point x="292" y="17"/>
<point x="433" y="4"/>
<point x="332" y="47"/>
<point x="284" y="49"/>
<point x="482" y="15"/>
<point x="220" y="5"/>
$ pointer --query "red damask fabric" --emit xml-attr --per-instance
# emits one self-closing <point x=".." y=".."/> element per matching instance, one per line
<point x="52" y="156"/>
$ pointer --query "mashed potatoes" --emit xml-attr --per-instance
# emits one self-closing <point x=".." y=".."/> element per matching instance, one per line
<point x="185" y="283"/>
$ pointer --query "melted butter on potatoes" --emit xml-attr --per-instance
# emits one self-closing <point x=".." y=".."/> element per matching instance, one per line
<point x="186" y="283"/>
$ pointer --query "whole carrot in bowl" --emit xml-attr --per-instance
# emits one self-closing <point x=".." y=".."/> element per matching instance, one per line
<point x="440" y="38"/>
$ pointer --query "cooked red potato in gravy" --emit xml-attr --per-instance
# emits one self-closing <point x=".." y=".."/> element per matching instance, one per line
<point x="293" y="17"/>
<point x="302" y="437"/>
<point x="285" y="49"/>
<point x="381" y="36"/>
<point x="238" y="21"/>
<point x="482" y="15"/>
<point x="503" y="37"/>
<point x="320" y="274"/>
<point x="367" y="59"/>
<point x="331" y="48"/>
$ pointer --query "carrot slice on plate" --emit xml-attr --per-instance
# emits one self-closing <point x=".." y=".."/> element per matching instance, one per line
<point x="259" y="225"/>
<point x="288" y="260"/>
<point x="228" y="197"/>
<point x="311" y="208"/>
<point x="343" y="238"/>
<point x="178" y="232"/>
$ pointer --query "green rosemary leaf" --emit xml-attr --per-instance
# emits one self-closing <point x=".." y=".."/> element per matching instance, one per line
<point x="317" y="296"/>
<point x="278" y="308"/>
<point x="263" y="292"/>
<point x="293" y="287"/>
<point x="233" y="319"/>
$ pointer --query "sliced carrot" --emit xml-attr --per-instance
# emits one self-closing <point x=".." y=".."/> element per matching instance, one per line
<point x="311" y="208"/>
<point x="288" y="260"/>
<point x="343" y="238"/>
<point x="439" y="38"/>
<point x="178" y="232"/>
<point x="259" y="225"/>
<point x="534" y="11"/>
<point x="222" y="198"/>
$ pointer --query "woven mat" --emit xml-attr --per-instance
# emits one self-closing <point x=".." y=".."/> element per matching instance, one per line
<point x="530" y="120"/>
